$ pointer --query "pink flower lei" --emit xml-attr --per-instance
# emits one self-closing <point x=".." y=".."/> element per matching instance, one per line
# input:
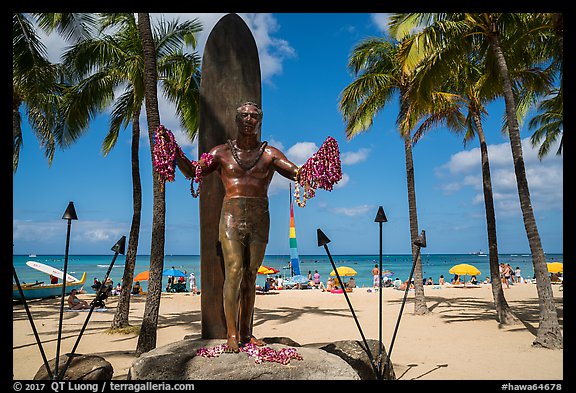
<point x="164" y="154"/>
<point x="208" y="158"/>
<point x="164" y="159"/>
<point x="322" y="170"/>
<point x="260" y="354"/>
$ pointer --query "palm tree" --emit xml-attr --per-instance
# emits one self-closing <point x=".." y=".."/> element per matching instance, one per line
<point x="379" y="77"/>
<point x="468" y="86"/>
<point x="37" y="83"/>
<point x="548" y="124"/>
<point x="147" y="337"/>
<point x="108" y="62"/>
<point x="501" y="32"/>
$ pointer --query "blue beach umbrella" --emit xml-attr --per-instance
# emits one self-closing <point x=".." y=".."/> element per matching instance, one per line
<point x="173" y="272"/>
<point x="298" y="279"/>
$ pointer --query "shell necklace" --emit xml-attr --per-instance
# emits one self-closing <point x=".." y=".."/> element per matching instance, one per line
<point x="250" y="164"/>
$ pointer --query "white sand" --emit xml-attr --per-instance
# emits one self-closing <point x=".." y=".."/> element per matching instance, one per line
<point x="460" y="332"/>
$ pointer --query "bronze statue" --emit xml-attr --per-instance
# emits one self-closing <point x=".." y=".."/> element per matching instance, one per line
<point x="246" y="167"/>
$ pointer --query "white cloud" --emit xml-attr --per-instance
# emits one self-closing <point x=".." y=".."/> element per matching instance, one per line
<point x="381" y="21"/>
<point x="301" y="151"/>
<point x="50" y="231"/>
<point x="545" y="178"/>
<point x="353" y="211"/>
<point x="351" y="158"/>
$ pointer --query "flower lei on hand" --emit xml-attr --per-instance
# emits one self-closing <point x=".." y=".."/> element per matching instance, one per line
<point x="208" y="158"/>
<point x="164" y="158"/>
<point x="322" y="170"/>
<point x="164" y="154"/>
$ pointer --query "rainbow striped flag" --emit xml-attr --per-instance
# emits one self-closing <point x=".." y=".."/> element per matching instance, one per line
<point x="295" y="263"/>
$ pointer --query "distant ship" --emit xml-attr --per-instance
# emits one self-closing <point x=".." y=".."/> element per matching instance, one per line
<point x="479" y="253"/>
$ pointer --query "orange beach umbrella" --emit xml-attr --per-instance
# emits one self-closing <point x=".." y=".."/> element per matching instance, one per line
<point x="142" y="276"/>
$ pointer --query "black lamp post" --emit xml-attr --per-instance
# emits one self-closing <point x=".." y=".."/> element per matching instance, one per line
<point x="380" y="218"/>
<point x="69" y="214"/>
<point x="118" y="248"/>
<point x="323" y="241"/>
<point x="419" y="242"/>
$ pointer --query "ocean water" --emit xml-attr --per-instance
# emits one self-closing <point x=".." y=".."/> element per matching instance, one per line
<point x="433" y="265"/>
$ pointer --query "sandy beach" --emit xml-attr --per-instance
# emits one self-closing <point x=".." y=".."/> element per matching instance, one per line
<point x="458" y="340"/>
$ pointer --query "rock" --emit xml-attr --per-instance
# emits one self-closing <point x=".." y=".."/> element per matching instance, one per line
<point x="81" y="368"/>
<point x="178" y="361"/>
<point x="353" y="353"/>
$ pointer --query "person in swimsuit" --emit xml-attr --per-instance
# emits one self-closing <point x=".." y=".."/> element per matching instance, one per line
<point x="246" y="167"/>
<point x="76" y="304"/>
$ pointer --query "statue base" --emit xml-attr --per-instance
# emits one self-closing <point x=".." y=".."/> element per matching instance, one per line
<point x="178" y="361"/>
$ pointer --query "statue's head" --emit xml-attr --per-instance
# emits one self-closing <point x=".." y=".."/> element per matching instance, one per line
<point x="249" y="117"/>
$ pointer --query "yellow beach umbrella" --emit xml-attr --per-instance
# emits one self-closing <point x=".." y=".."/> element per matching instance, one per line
<point x="555" y="267"/>
<point x="465" y="269"/>
<point x="344" y="271"/>
<point x="266" y="270"/>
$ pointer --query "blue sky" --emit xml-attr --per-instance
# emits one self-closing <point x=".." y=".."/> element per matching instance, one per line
<point x="303" y="62"/>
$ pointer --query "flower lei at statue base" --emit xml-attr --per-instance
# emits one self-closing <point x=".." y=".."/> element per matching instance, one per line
<point x="322" y="170"/>
<point x="260" y="354"/>
<point x="164" y="161"/>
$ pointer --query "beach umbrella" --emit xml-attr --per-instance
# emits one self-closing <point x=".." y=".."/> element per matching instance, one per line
<point x="266" y="270"/>
<point x="344" y="271"/>
<point x="298" y="279"/>
<point x="173" y="272"/>
<point x="555" y="267"/>
<point x="142" y="276"/>
<point x="465" y="270"/>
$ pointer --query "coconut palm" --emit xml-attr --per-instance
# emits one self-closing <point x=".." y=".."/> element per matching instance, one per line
<point x="109" y="62"/>
<point x="147" y="337"/>
<point x="501" y="34"/>
<point x="378" y="78"/>
<point x="467" y="86"/>
<point x="37" y="83"/>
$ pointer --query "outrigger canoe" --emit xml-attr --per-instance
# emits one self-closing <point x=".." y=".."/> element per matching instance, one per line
<point x="44" y="291"/>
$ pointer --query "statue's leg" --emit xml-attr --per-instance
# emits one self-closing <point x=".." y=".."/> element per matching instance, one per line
<point x="248" y="293"/>
<point x="233" y="255"/>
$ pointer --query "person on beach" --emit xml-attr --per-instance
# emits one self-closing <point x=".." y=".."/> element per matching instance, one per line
<point x="442" y="281"/>
<point x="136" y="288"/>
<point x="330" y="284"/>
<point x="456" y="280"/>
<point x="316" y="278"/>
<point x="192" y="283"/>
<point x="351" y="283"/>
<point x="246" y="167"/>
<point x="76" y="304"/>
<point x="376" y="274"/>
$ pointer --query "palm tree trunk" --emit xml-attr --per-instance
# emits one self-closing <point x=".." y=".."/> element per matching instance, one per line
<point x="503" y="313"/>
<point x="420" y="307"/>
<point x="147" y="337"/>
<point x="121" y="318"/>
<point x="549" y="334"/>
<point x="16" y="130"/>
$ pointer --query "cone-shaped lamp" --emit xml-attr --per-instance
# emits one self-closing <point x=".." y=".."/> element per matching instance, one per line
<point x="322" y="238"/>
<point x="421" y="240"/>
<point x="380" y="216"/>
<point x="70" y="213"/>
<point x="120" y="245"/>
